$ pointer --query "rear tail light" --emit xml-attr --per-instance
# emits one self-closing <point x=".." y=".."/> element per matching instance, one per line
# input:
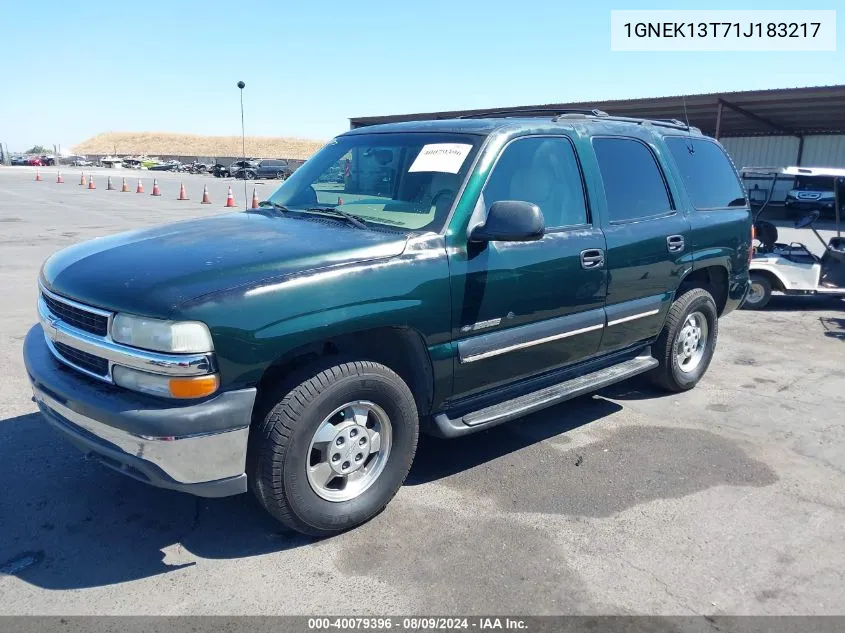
<point x="751" y="244"/>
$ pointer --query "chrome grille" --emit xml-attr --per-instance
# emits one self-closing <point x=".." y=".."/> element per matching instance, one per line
<point x="83" y="360"/>
<point x="77" y="316"/>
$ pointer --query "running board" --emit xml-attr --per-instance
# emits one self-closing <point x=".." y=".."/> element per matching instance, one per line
<point x="445" y="426"/>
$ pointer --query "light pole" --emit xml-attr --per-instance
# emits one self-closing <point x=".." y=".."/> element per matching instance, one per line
<point x="242" y="85"/>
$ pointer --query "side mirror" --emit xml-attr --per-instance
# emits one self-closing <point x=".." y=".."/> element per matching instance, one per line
<point x="510" y="221"/>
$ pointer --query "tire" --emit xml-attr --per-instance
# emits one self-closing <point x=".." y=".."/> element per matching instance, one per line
<point x="692" y="307"/>
<point x="280" y="175"/>
<point x="759" y="294"/>
<point x="283" y="447"/>
<point x="249" y="175"/>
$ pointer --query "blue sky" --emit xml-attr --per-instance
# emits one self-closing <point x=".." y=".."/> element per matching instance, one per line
<point x="71" y="70"/>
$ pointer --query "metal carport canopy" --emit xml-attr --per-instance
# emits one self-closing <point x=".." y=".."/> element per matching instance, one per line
<point x="790" y="111"/>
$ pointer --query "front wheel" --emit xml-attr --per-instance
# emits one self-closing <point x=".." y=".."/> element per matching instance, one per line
<point x="759" y="294"/>
<point x="334" y="450"/>
<point x="685" y="347"/>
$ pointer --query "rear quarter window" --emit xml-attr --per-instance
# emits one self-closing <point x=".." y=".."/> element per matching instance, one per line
<point x="709" y="177"/>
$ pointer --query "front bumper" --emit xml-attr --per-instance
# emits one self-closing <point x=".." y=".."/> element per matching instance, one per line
<point x="198" y="447"/>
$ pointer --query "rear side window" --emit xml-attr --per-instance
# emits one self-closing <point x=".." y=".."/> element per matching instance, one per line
<point x="633" y="183"/>
<point x="709" y="177"/>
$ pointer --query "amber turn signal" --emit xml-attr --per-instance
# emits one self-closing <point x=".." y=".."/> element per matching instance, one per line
<point x="197" y="387"/>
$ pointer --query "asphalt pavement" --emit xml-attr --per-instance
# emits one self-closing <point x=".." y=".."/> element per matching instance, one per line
<point x="729" y="499"/>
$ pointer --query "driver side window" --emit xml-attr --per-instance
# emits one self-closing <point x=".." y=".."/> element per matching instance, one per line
<point x="545" y="172"/>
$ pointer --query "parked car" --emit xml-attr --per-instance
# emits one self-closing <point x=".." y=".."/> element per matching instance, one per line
<point x="267" y="168"/>
<point x="297" y="349"/>
<point x="20" y="160"/>
<point x="813" y="190"/>
<point x="170" y="165"/>
<point x="133" y="163"/>
<point x="80" y="161"/>
<point x="236" y="167"/>
<point x="220" y="171"/>
<point x="34" y="161"/>
<point x="198" y="167"/>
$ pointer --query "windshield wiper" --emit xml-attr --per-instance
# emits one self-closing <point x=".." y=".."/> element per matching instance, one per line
<point x="275" y="205"/>
<point x="354" y="220"/>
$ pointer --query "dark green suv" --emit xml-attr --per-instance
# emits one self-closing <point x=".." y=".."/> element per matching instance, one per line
<point x="443" y="276"/>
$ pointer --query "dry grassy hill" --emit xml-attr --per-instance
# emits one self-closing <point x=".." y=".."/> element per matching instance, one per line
<point x="154" y="143"/>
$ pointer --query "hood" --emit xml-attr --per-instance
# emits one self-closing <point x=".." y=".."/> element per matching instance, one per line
<point x="152" y="271"/>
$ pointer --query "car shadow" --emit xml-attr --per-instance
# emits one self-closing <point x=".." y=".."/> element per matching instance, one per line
<point x="71" y="523"/>
<point x="439" y="458"/>
<point x="834" y="327"/>
<point x="808" y="303"/>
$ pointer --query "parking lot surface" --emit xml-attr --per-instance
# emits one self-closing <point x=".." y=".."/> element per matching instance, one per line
<point x="727" y="499"/>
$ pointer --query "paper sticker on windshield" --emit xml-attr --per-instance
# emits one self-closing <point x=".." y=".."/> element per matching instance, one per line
<point x="443" y="157"/>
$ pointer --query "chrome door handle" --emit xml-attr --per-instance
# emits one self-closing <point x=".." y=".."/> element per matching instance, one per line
<point x="592" y="258"/>
<point x="675" y="243"/>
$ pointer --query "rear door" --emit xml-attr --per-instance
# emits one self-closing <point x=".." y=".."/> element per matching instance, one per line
<point x="523" y="308"/>
<point x="648" y="240"/>
<point x="719" y="213"/>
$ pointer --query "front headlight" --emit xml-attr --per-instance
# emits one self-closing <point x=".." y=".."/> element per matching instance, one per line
<point x="161" y="336"/>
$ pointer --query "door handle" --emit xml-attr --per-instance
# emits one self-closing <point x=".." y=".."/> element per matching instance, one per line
<point x="675" y="243"/>
<point x="592" y="258"/>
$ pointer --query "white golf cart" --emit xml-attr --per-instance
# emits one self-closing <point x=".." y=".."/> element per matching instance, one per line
<point x="792" y="268"/>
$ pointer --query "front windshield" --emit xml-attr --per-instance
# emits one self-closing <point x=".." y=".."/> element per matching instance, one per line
<point x="404" y="180"/>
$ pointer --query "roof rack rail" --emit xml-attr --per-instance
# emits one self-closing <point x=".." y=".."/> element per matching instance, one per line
<point x="554" y="112"/>
<point x="672" y="121"/>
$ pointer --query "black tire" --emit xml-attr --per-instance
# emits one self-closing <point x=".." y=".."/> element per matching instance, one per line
<point x="280" y="175"/>
<point x="249" y="175"/>
<point x="280" y="441"/>
<point x="668" y="374"/>
<point x="759" y="295"/>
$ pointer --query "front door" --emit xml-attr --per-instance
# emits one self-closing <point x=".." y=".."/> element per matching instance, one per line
<point x="523" y="308"/>
<point x="648" y="241"/>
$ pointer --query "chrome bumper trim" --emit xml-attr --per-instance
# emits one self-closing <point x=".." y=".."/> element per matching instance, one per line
<point x="187" y="460"/>
<point x="57" y="331"/>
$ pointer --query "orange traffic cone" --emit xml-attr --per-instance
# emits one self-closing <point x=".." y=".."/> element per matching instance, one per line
<point x="140" y="188"/>
<point x="37" y="175"/>
<point x="156" y="191"/>
<point x="91" y="184"/>
<point x="182" y="194"/>
<point x="124" y="188"/>
<point x="59" y="178"/>
<point x="254" y="199"/>
<point x="109" y="185"/>
<point x="206" y="199"/>
<point x="230" y="199"/>
<point x="82" y="179"/>
<point x="339" y="201"/>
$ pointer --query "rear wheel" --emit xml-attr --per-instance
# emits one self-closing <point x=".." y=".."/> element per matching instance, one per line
<point x="759" y="293"/>
<point x="334" y="449"/>
<point x="685" y="347"/>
